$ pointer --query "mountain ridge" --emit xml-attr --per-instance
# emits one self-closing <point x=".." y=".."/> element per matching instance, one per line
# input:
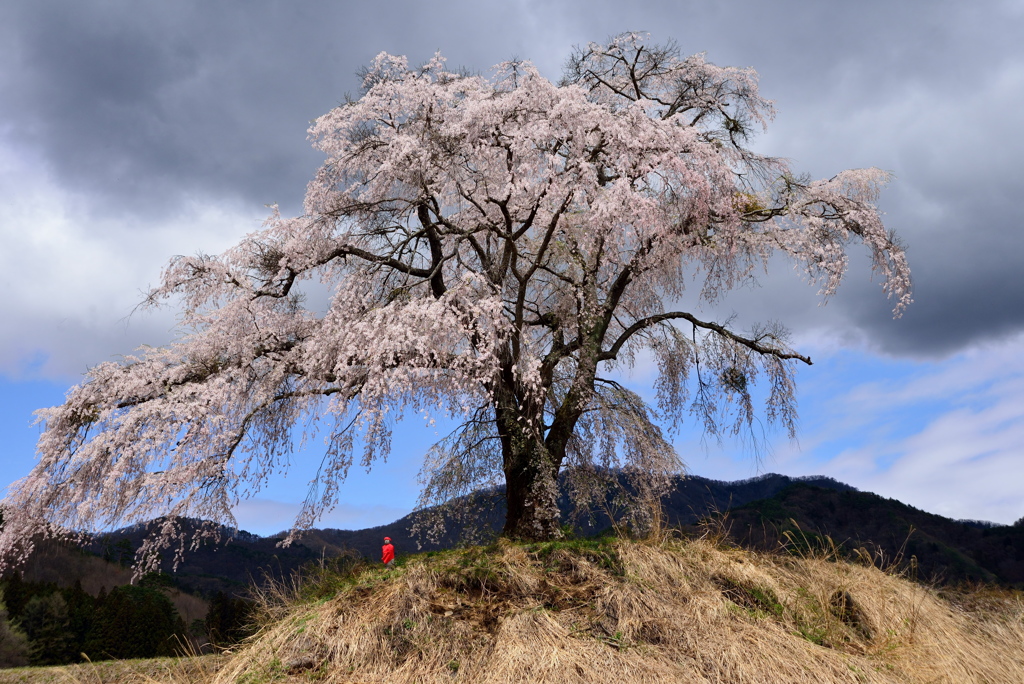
<point x="242" y="558"/>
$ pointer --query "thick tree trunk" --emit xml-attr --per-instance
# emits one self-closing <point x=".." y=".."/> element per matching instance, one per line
<point x="531" y="491"/>
<point x="531" y="460"/>
<point x="531" y="472"/>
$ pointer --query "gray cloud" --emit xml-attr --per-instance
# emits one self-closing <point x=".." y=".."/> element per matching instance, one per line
<point x="968" y="282"/>
<point x="141" y="110"/>
<point x="142" y="106"/>
<point x="146" y="105"/>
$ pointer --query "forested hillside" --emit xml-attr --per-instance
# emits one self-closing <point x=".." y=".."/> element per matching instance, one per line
<point x="941" y="550"/>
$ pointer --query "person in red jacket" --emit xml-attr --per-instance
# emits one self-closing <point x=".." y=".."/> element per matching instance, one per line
<point x="387" y="553"/>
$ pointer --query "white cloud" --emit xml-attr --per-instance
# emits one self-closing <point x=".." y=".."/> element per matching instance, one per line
<point x="947" y="437"/>
<point x="74" y="277"/>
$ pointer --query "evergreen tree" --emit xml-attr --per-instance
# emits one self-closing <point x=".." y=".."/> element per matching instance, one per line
<point x="156" y="580"/>
<point x="16" y="595"/>
<point x="134" y="622"/>
<point x="124" y="552"/>
<point x="45" y="621"/>
<point x="81" y="607"/>
<point x="13" y="642"/>
<point x="108" y="549"/>
<point x="228" y="620"/>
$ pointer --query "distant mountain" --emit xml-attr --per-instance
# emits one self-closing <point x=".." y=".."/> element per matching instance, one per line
<point x="692" y="499"/>
<point x="54" y="564"/>
<point x="230" y="565"/>
<point x="241" y="558"/>
<point x="944" y="550"/>
<point x="760" y="511"/>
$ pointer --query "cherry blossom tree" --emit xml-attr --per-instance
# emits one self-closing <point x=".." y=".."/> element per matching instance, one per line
<point x="495" y="248"/>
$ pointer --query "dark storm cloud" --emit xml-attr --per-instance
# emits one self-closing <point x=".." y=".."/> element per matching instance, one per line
<point x="143" y="107"/>
<point x="968" y="278"/>
<point x="932" y="92"/>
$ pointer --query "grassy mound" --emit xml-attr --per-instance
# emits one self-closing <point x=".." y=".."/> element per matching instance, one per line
<point x="625" y="611"/>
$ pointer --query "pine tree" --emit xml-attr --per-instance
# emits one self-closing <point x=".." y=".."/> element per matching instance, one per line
<point x="134" y="622"/>
<point x="81" y="607"/>
<point x="45" y="621"/>
<point x="228" y="620"/>
<point x="15" y="595"/>
<point x="13" y="642"/>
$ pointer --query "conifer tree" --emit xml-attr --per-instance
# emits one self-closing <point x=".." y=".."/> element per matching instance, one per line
<point x="13" y="642"/>
<point x="134" y="622"/>
<point x="47" y="626"/>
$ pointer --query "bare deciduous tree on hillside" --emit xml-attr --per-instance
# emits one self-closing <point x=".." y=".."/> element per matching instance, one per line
<point x="493" y="245"/>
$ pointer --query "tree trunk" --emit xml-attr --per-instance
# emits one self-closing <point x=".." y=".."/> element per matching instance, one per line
<point x="530" y="460"/>
<point x="531" y="474"/>
<point x="531" y="491"/>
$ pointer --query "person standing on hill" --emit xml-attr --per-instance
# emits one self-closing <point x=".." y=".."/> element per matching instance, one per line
<point x="387" y="553"/>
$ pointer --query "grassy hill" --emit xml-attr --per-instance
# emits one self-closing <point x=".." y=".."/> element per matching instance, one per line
<point x="189" y="670"/>
<point x="666" y="609"/>
<point x="811" y="572"/>
<point x="609" y="610"/>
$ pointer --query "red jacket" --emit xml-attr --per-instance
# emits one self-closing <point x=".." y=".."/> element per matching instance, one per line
<point x="388" y="553"/>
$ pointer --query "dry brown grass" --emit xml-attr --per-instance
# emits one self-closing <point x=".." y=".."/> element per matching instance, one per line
<point x="624" y="611"/>
<point x="191" y="670"/>
<point x="596" y="611"/>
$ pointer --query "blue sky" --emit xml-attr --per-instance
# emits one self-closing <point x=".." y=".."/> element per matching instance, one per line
<point x="130" y="133"/>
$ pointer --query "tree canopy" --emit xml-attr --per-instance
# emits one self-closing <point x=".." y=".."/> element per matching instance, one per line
<point x="495" y="246"/>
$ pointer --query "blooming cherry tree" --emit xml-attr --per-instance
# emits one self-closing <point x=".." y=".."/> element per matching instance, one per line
<point x="493" y="246"/>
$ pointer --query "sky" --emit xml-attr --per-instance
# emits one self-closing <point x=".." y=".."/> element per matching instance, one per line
<point x="131" y="132"/>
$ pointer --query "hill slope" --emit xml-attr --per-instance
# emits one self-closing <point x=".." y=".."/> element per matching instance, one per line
<point x="623" y="611"/>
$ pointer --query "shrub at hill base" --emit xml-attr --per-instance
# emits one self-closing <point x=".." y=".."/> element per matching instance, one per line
<point x="135" y="622"/>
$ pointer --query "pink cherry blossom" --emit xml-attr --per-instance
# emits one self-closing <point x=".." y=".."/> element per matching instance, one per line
<point x="494" y="245"/>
